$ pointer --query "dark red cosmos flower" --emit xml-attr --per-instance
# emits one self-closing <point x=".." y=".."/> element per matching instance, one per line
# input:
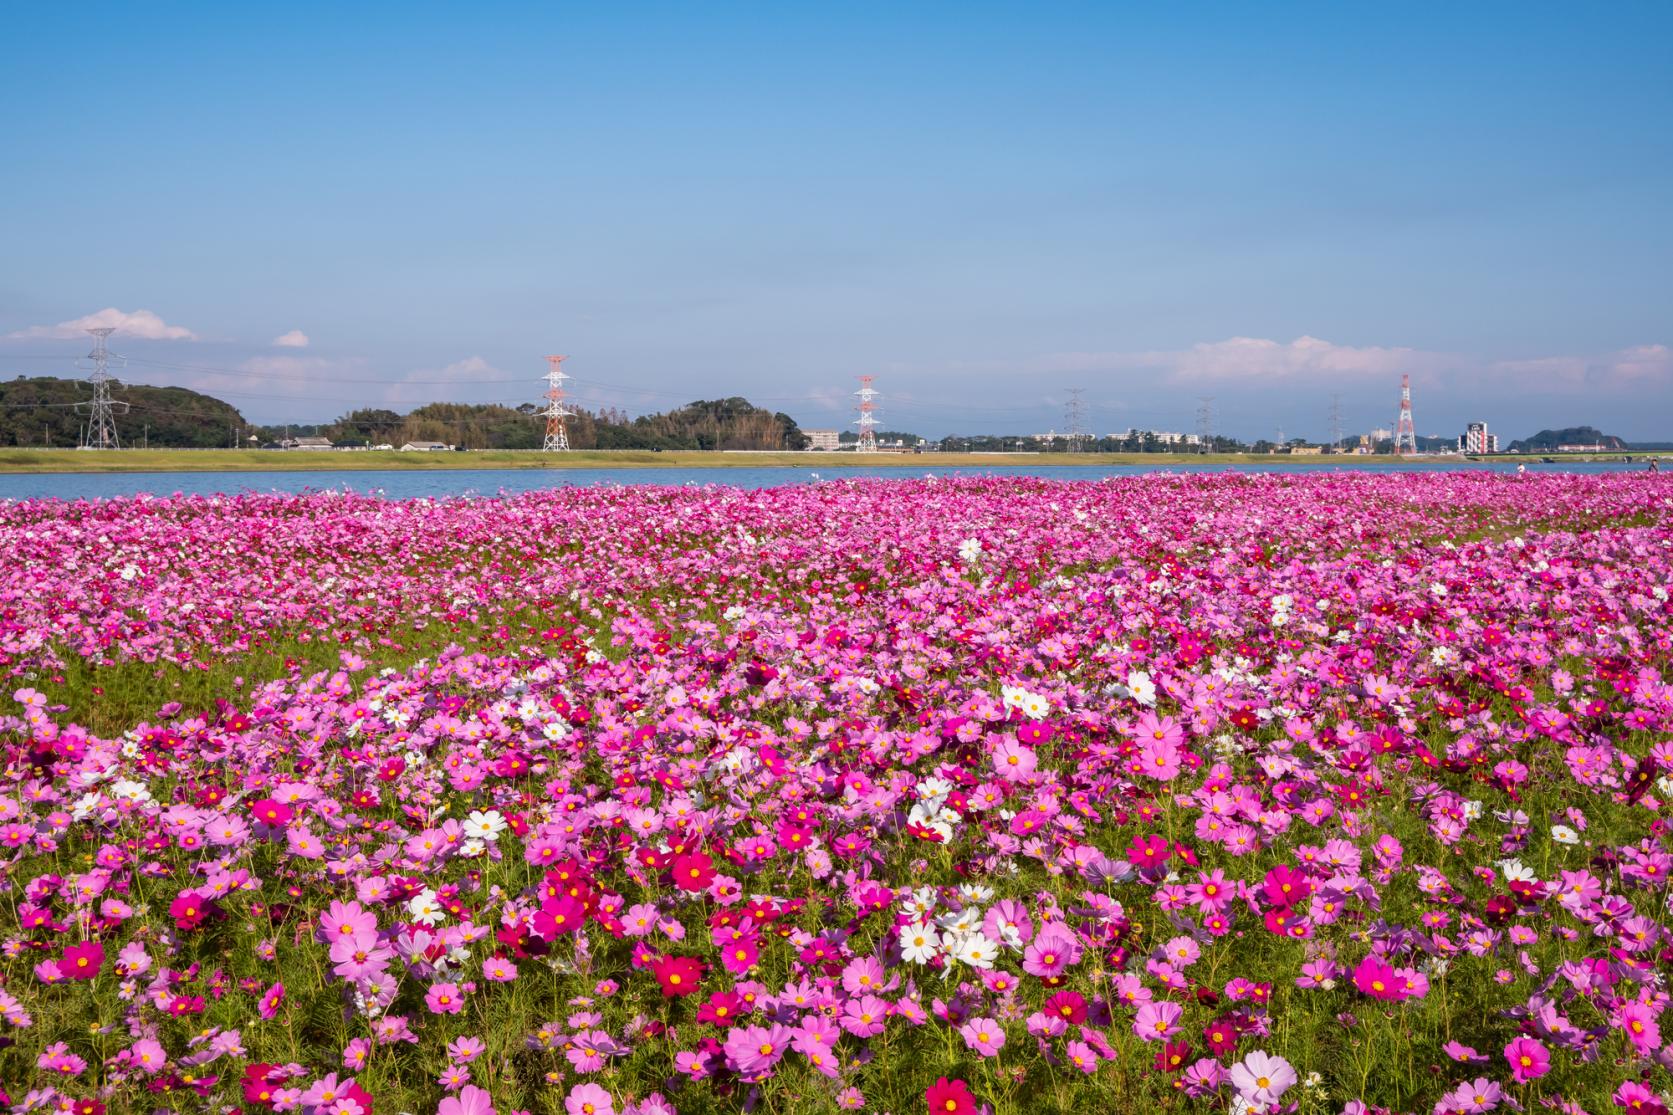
<point x="1638" y="784"/>
<point x="678" y="975"/>
<point x="1499" y="909"/>
<point x="1172" y="1057"/>
<point x="1221" y="1036"/>
<point x="950" y="1097"/>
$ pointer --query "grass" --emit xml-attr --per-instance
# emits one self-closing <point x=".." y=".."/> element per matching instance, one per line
<point x="275" y="460"/>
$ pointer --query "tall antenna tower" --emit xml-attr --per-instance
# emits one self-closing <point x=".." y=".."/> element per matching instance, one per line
<point x="867" y="422"/>
<point x="100" y="431"/>
<point x="557" y="437"/>
<point x="1205" y="423"/>
<point x="1405" y="434"/>
<point x="1074" y="418"/>
<point x="1335" y="423"/>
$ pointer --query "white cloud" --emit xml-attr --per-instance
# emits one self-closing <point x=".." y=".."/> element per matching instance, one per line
<point x="297" y="367"/>
<point x="433" y="384"/>
<point x="140" y="323"/>
<point x="1253" y="358"/>
<point x="294" y="339"/>
<point x="1639" y="366"/>
<point x="1257" y="361"/>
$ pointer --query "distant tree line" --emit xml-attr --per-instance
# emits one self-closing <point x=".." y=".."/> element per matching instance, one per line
<point x="732" y="423"/>
<point x="42" y="411"/>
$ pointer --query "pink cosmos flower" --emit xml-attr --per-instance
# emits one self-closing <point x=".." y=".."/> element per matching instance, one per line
<point x="983" y="1035"/>
<point x="444" y="998"/>
<point x="1475" y="1097"/>
<point x="1014" y="762"/>
<point x="148" y="1056"/>
<point x="1157" y="1020"/>
<point x="754" y="1050"/>
<point x="471" y="1100"/>
<point x="1050" y="953"/>
<point x="589" y="1099"/>
<point x="1262" y="1078"/>
<point x="1639" y="1024"/>
<point x="1159" y="759"/>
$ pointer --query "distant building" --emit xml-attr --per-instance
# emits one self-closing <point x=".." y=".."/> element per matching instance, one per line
<point x="822" y="439"/>
<point x="1380" y="435"/>
<point x="306" y="443"/>
<point x="1306" y="450"/>
<point x="425" y="447"/>
<point x="1595" y="448"/>
<point x="1476" y="439"/>
<point x="1162" y="437"/>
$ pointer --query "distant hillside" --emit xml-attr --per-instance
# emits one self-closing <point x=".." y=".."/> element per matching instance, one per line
<point x="41" y="411"/>
<point x="1548" y="440"/>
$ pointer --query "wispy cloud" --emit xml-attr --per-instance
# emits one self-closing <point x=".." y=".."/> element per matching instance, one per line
<point x="1258" y="361"/>
<point x="139" y="323"/>
<point x="294" y="339"/>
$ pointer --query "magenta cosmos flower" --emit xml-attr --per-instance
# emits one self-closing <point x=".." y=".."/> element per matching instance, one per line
<point x="1529" y="1060"/>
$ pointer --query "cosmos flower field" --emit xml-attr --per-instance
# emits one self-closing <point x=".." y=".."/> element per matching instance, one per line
<point x="1333" y="793"/>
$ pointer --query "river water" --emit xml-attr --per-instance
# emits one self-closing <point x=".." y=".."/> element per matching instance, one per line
<point x="460" y="482"/>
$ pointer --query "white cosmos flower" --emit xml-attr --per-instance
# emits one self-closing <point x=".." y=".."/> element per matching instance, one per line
<point x="919" y="943"/>
<point x="1516" y="871"/>
<point x="485" y="825"/>
<point x="1562" y="834"/>
<point x="970" y="549"/>
<point x="424" y="908"/>
<point x="972" y="949"/>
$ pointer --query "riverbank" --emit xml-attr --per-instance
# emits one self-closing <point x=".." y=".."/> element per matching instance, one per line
<point x="259" y="460"/>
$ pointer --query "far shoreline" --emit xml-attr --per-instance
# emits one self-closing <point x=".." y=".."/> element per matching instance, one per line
<point x="93" y="462"/>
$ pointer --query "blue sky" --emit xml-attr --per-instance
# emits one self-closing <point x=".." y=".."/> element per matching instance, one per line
<point x="982" y="205"/>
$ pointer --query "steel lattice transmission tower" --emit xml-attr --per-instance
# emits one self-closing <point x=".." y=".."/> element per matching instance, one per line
<point x="1335" y="423"/>
<point x="100" y="431"/>
<point x="1074" y="418"/>
<point x="867" y="421"/>
<point x="557" y="435"/>
<point x="1405" y="434"/>
<point x="1205" y="423"/>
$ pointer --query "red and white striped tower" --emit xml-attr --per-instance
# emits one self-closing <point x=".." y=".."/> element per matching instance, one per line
<point x="557" y="437"/>
<point x="1405" y="434"/>
<point x="867" y="422"/>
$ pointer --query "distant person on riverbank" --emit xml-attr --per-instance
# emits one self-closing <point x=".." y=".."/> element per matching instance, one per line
<point x="1655" y="464"/>
<point x="1521" y="469"/>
